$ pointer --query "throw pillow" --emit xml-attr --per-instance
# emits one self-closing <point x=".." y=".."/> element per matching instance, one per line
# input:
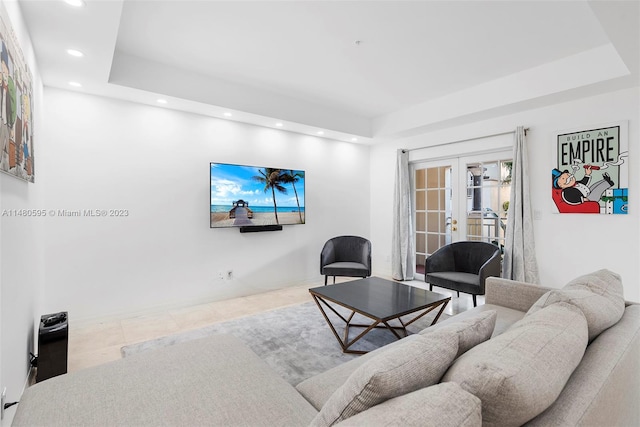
<point x="444" y="405"/>
<point x="410" y="366"/>
<point x="603" y="282"/>
<point x="599" y="295"/>
<point x="520" y="373"/>
<point x="471" y="331"/>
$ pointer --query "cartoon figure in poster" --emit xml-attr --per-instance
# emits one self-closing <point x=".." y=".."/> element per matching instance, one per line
<point x="575" y="192"/>
<point x="586" y="195"/>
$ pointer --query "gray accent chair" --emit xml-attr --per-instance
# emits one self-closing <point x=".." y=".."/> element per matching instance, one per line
<point x="463" y="267"/>
<point x="348" y="256"/>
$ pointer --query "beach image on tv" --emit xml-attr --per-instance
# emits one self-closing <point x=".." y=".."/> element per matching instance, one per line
<point x="243" y="196"/>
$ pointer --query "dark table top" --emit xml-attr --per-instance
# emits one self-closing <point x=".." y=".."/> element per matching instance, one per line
<point x="379" y="298"/>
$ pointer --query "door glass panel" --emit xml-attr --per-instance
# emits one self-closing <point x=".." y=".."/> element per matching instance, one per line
<point x="421" y="242"/>
<point x="488" y="191"/>
<point x="420" y="199"/>
<point x="433" y="199"/>
<point x="433" y="219"/>
<point x="420" y="182"/>
<point x="432" y="177"/>
<point x="433" y="242"/>
<point x="421" y="221"/>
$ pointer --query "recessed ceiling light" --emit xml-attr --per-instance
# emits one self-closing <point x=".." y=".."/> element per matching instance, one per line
<point x="75" y="53"/>
<point x="354" y="139"/>
<point x="228" y="114"/>
<point x="279" y="124"/>
<point x="75" y="3"/>
<point x="320" y="132"/>
<point x="161" y="101"/>
<point x="75" y="84"/>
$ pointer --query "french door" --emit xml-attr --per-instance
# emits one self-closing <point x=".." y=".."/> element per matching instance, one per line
<point x="460" y="198"/>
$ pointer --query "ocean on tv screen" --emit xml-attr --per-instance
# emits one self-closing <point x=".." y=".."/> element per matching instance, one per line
<point x="258" y="209"/>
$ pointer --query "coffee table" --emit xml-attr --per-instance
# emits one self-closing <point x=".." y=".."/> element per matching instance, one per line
<point x="379" y="300"/>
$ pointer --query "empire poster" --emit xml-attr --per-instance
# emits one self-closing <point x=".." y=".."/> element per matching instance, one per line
<point x="16" y="101"/>
<point x="590" y="173"/>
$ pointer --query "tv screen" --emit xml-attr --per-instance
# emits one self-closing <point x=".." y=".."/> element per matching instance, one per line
<point x="245" y="196"/>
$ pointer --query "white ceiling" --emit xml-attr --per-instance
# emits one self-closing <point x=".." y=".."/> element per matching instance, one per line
<point x="355" y="69"/>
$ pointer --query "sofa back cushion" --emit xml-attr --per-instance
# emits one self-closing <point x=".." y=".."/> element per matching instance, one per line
<point x="410" y="366"/>
<point x="598" y="295"/>
<point x="604" y="390"/>
<point x="444" y="405"/>
<point x="520" y="373"/>
<point x="471" y="331"/>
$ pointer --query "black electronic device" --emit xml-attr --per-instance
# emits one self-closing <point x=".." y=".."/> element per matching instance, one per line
<point x="53" y="345"/>
<point x="54" y="319"/>
<point x="257" y="228"/>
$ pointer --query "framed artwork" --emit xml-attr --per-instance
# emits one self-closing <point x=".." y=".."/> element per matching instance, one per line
<point x="590" y="171"/>
<point x="16" y="114"/>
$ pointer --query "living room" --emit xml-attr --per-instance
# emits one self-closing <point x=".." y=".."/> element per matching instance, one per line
<point x="100" y="152"/>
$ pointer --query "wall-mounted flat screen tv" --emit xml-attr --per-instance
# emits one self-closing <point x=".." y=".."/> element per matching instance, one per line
<point x="246" y="196"/>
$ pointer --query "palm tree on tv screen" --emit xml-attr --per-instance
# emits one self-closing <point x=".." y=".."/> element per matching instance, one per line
<point x="272" y="179"/>
<point x="293" y="177"/>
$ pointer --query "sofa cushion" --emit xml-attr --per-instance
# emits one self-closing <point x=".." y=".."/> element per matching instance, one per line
<point x="444" y="405"/>
<point x="412" y="365"/>
<point x="604" y="390"/>
<point x="319" y="388"/>
<point x="470" y="331"/>
<point x="345" y="268"/>
<point x="603" y="282"/>
<point x="520" y="373"/>
<point x="599" y="295"/>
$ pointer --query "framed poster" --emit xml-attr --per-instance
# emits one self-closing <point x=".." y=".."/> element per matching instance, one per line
<point x="590" y="171"/>
<point x="16" y="114"/>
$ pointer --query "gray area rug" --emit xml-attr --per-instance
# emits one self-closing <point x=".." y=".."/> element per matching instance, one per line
<point x="295" y="341"/>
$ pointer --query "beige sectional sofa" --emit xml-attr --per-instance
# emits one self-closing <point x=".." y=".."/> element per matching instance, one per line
<point x="530" y="355"/>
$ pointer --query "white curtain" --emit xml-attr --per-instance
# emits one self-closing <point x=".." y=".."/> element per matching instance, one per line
<point x="519" y="261"/>
<point x="402" y="265"/>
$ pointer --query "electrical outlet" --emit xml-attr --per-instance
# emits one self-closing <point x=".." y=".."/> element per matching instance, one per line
<point x="3" y="399"/>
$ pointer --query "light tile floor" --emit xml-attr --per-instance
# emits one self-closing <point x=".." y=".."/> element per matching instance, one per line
<point x="98" y="342"/>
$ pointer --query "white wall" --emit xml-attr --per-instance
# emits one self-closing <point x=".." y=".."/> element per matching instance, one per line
<point x="154" y="162"/>
<point x="566" y="245"/>
<point x="20" y="246"/>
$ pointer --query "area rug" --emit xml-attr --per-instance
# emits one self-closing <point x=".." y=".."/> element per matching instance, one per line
<point x="295" y="341"/>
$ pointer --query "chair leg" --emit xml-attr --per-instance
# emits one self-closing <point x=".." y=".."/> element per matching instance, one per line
<point x="430" y="287"/>
<point x="475" y="303"/>
<point x="325" y="280"/>
<point x="334" y="280"/>
<point x="458" y="294"/>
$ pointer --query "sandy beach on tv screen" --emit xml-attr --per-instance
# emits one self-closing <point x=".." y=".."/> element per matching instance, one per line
<point x="221" y="219"/>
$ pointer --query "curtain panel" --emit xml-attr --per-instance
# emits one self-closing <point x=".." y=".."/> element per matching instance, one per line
<point x="402" y="265"/>
<point x="519" y="262"/>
